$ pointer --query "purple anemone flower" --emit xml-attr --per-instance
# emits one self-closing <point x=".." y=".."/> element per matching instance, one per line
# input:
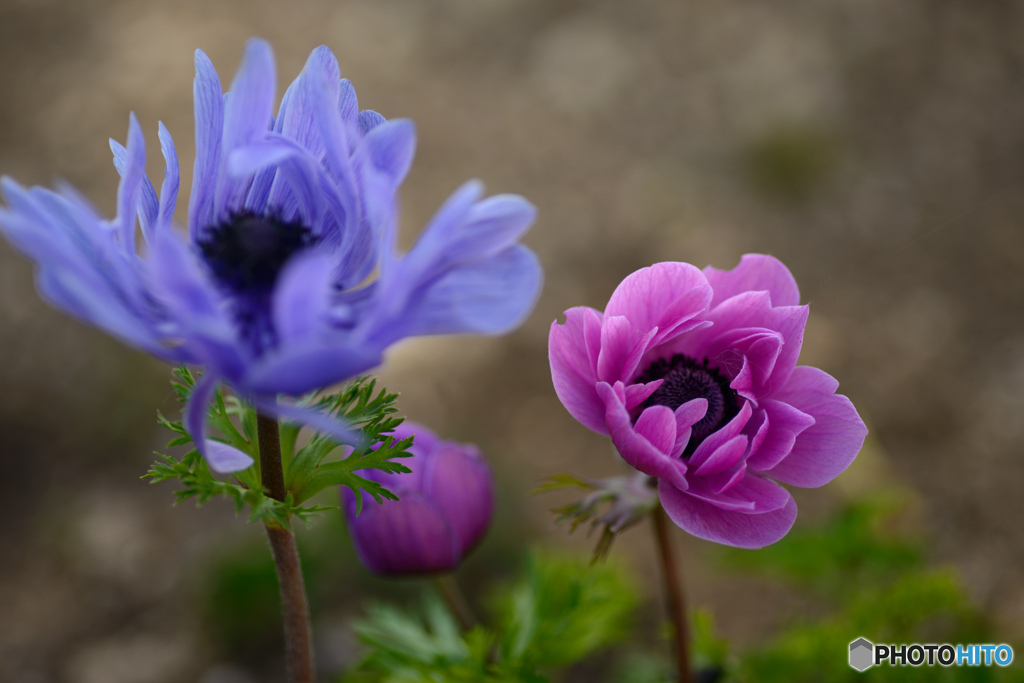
<point x="445" y="508"/>
<point x="693" y="375"/>
<point x="288" y="281"/>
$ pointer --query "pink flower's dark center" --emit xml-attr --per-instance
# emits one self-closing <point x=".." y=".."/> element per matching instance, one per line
<point x="684" y="380"/>
<point x="247" y="252"/>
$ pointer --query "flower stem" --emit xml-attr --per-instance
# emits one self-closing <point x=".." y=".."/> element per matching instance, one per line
<point x="456" y="601"/>
<point x="298" y="634"/>
<point x="673" y="594"/>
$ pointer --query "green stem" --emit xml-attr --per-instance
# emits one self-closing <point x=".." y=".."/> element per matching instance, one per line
<point x="673" y="594"/>
<point x="298" y="634"/>
<point x="456" y="601"/>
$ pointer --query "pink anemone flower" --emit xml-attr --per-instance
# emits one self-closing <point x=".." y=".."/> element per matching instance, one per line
<point x="693" y="374"/>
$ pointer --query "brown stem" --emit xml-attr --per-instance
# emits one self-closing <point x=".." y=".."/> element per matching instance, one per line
<point x="271" y="471"/>
<point x="455" y="600"/>
<point x="298" y="634"/>
<point x="673" y="595"/>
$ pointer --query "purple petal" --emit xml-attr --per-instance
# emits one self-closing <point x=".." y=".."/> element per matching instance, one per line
<point x="723" y="457"/>
<point x="302" y="297"/>
<point x="368" y="120"/>
<point x="317" y="419"/>
<point x="209" y="116"/>
<point x="755" y="272"/>
<point x="130" y="187"/>
<point x="622" y="347"/>
<point x="635" y="448"/>
<point x="407" y="536"/>
<point x="492" y="225"/>
<point x="443" y="229"/>
<point x="220" y="456"/>
<point x="729" y="527"/>
<point x="459" y="482"/>
<point x="248" y="113"/>
<point x="827" y="447"/>
<point x="718" y="439"/>
<point x="782" y="424"/>
<point x="638" y="393"/>
<point x="298" y="368"/>
<point x="665" y="295"/>
<point x="348" y="103"/>
<point x="169" y="188"/>
<point x="657" y="424"/>
<point x="489" y="296"/>
<point x="390" y="148"/>
<point x="748" y="311"/>
<point x="148" y="202"/>
<point x="572" y="371"/>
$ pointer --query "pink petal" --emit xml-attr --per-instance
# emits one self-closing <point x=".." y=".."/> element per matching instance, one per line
<point x="622" y="346"/>
<point x="724" y="457"/>
<point x="572" y="352"/>
<point x="755" y="272"/>
<point x="827" y="447"/>
<point x="636" y="448"/>
<point x="657" y="424"/>
<point x="665" y="295"/>
<point x="687" y="415"/>
<point x="718" y="439"/>
<point x="784" y="423"/>
<point x="729" y="527"/>
<point x="748" y="311"/>
<point x="638" y="393"/>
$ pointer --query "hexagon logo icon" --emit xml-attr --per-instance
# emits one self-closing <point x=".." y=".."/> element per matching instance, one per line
<point x="861" y="654"/>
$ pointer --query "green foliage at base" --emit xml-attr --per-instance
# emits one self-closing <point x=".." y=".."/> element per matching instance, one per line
<point x="562" y="612"/>
<point x="879" y="587"/>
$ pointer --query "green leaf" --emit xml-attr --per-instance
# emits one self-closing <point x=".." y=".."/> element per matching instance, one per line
<point x="307" y="473"/>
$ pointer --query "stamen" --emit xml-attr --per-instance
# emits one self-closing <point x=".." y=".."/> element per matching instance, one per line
<point x="247" y="252"/>
<point x="684" y="380"/>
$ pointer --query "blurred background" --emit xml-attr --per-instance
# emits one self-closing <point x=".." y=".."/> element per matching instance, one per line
<point x="877" y="148"/>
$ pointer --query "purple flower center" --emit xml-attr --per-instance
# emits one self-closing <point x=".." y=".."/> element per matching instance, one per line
<point x="684" y="380"/>
<point x="247" y="252"/>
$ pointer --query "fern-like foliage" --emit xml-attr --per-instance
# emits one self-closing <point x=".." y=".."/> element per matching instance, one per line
<point x="308" y="468"/>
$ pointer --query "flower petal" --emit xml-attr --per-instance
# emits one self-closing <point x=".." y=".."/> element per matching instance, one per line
<point x="317" y="419"/>
<point x="622" y="347"/>
<point x="130" y="187"/>
<point x="407" y="536"/>
<point x="572" y="371"/>
<point x="298" y="368"/>
<point x="459" y="482"/>
<point x="302" y="297"/>
<point x="827" y="447"/>
<point x="755" y="272"/>
<point x="490" y="296"/>
<point x="784" y="423"/>
<point x="169" y="188"/>
<point x="220" y="456"/>
<point x="729" y="527"/>
<point x="666" y="295"/>
<point x="717" y="439"/>
<point x="209" y="115"/>
<point x="390" y="147"/>
<point x="635" y="448"/>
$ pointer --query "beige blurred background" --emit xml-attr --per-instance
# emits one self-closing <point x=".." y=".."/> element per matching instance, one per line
<point x="876" y="147"/>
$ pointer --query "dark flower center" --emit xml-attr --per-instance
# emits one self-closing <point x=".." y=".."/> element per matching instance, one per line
<point x="247" y="252"/>
<point x="686" y="379"/>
